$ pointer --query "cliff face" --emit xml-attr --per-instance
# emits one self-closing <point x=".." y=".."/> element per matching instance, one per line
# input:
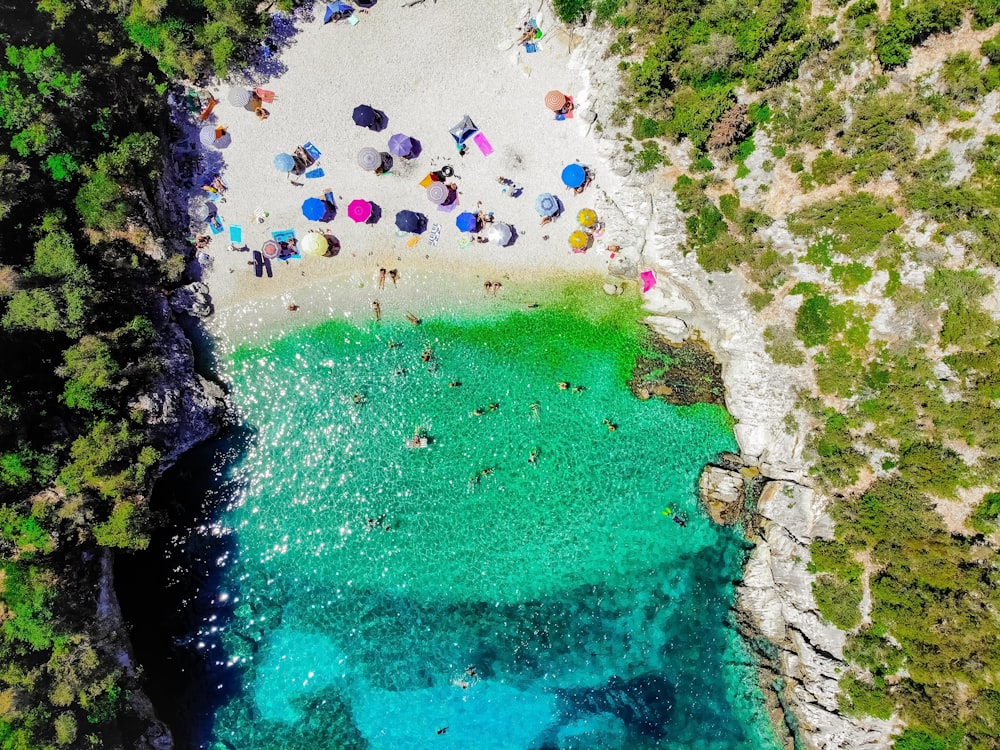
<point x="775" y="599"/>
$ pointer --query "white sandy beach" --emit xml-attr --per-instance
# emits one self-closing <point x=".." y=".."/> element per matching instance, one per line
<point x="425" y="67"/>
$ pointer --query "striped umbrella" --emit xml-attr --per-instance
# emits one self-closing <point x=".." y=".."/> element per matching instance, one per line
<point x="579" y="240"/>
<point x="208" y="136"/>
<point x="239" y="97"/>
<point x="438" y="193"/>
<point x="555" y="100"/>
<point x="314" y="243"/>
<point x="369" y="159"/>
<point x="587" y="217"/>
<point x="271" y="249"/>
<point x="547" y="204"/>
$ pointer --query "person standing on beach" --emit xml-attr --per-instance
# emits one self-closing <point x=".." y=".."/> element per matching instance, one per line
<point x="381" y="278"/>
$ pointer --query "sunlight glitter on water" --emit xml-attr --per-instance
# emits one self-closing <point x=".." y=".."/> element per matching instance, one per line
<point x="525" y="543"/>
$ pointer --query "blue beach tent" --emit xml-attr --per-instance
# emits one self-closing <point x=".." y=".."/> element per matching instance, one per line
<point x="337" y="12"/>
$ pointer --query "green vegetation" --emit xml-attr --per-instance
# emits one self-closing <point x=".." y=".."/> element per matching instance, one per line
<point x="78" y="292"/>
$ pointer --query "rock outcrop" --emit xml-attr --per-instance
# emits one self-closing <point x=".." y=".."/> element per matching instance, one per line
<point x="722" y="494"/>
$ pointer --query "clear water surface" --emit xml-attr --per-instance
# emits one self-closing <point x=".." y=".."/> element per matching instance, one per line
<point x="513" y="584"/>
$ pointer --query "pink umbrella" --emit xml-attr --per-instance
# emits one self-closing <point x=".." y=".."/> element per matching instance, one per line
<point x="359" y="210"/>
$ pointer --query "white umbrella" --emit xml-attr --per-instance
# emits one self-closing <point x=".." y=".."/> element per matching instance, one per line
<point x="500" y="233"/>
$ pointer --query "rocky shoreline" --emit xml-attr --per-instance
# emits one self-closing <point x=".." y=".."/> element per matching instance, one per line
<point x="801" y="657"/>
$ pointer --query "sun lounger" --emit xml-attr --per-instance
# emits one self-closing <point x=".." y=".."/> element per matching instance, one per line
<point x="236" y="234"/>
<point x="215" y="224"/>
<point x="312" y="174"/>
<point x="484" y="145"/>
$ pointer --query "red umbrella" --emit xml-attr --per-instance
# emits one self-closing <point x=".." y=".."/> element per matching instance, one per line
<point x="359" y="210"/>
<point x="555" y="100"/>
<point x="271" y="249"/>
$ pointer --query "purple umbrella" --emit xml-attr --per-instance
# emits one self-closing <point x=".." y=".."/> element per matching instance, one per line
<point x="401" y="145"/>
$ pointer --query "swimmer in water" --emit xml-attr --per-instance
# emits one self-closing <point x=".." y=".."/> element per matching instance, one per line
<point x="579" y="389"/>
<point x="428" y="354"/>
<point x="494" y="407"/>
<point x="610" y="425"/>
<point x="536" y="409"/>
<point x="394" y="344"/>
<point x="563" y="385"/>
<point x="454" y="383"/>
<point x="478" y="412"/>
<point x="533" y="456"/>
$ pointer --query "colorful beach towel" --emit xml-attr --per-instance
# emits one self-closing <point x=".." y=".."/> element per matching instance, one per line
<point x="283" y="235"/>
<point x="484" y="145"/>
<point x="310" y="149"/>
<point x="648" y="280"/>
<point x="236" y="234"/>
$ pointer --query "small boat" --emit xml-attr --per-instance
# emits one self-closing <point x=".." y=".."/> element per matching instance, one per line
<point x="417" y="442"/>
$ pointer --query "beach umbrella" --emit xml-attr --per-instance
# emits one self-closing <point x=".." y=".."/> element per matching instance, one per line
<point x="314" y="209"/>
<point x="203" y="211"/>
<point x="359" y="210"/>
<point x="500" y="233"/>
<point x="547" y="204"/>
<point x="337" y="11"/>
<point x="467" y="222"/>
<point x="314" y="243"/>
<point x="438" y="193"/>
<point x="464" y="130"/>
<point x="578" y="240"/>
<point x="239" y="97"/>
<point x="574" y="175"/>
<point x="213" y="135"/>
<point x="271" y="249"/>
<point x="284" y="162"/>
<point x="555" y="100"/>
<point x="587" y="217"/>
<point x="400" y="145"/>
<point x="369" y="159"/>
<point x="364" y="115"/>
<point x="410" y="221"/>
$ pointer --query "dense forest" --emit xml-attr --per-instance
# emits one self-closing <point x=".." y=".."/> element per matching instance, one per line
<point x="903" y="416"/>
<point x="82" y="265"/>
<point x="891" y="271"/>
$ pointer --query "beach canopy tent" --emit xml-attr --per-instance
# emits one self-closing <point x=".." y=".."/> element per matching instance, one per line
<point x="547" y="204"/>
<point x="401" y="145"/>
<point x="314" y="243"/>
<point x="284" y="162"/>
<point x="464" y="130"/>
<point x="337" y="12"/>
<point x="369" y="159"/>
<point x="438" y="193"/>
<point x="574" y="175"/>
<point x="467" y="222"/>
<point x="212" y="135"/>
<point x="500" y="233"/>
<point x="579" y="240"/>
<point x="364" y="116"/>
<point x="271" y="249"/>
<point x="411" y="221"/>
<point x="315" y="209"/>
<point x="555" y="100"/>
<point x="359" y="210"/>
<point x="587" y="217"/>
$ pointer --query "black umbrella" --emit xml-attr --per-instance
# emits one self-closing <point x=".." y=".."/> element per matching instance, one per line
<point x="411" y="221"/>
<point x="364" y="115"/>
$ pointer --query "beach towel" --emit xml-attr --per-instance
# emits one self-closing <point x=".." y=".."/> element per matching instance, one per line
<point x="427" y="181"/>
<point x="215" y="224"/>
<point x="314" y="173"/>
<point x="435" y="235"/>
<point x="353" y="20"/>
<point x="484" y="145"/>
<point x="464" y="242"/>
<point x="412" y="242"/>
<point x="448" y="207"/>
<point x="236" y="234"/>
<point x="310" y="149"/>
<point x="648" y="280"/>
<point x="258" y="263"/>
<point x="264" y="95"/>
<point x="283" y="235"/>
<point x="531" y="47"/>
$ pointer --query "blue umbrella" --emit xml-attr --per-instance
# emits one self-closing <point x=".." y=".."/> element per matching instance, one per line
<point x="467" y="222"/>
<point x="314" y="209"/>
<point x="400" y="145"/>
<point x="574" y="175"/>
<point x="410" y="221"/>
<point x="547" y="204"/>
<point x="338" y="9"/>
<point x="284" y="162"/>
<point x="364" y="115"/>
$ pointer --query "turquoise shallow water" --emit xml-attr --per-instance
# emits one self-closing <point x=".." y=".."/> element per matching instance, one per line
<point x="462" y="595"/>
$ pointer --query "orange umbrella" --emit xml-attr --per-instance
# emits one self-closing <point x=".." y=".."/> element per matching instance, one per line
<point x="555" y="100"/>
<point x="578" y="240"/>
<point x="587" y="217"/>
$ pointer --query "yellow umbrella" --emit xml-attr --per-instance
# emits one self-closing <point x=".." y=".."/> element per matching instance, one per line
<point x="579" y="240"/>
<point x="587" y="217"/>
<point x="314" y="243"/>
